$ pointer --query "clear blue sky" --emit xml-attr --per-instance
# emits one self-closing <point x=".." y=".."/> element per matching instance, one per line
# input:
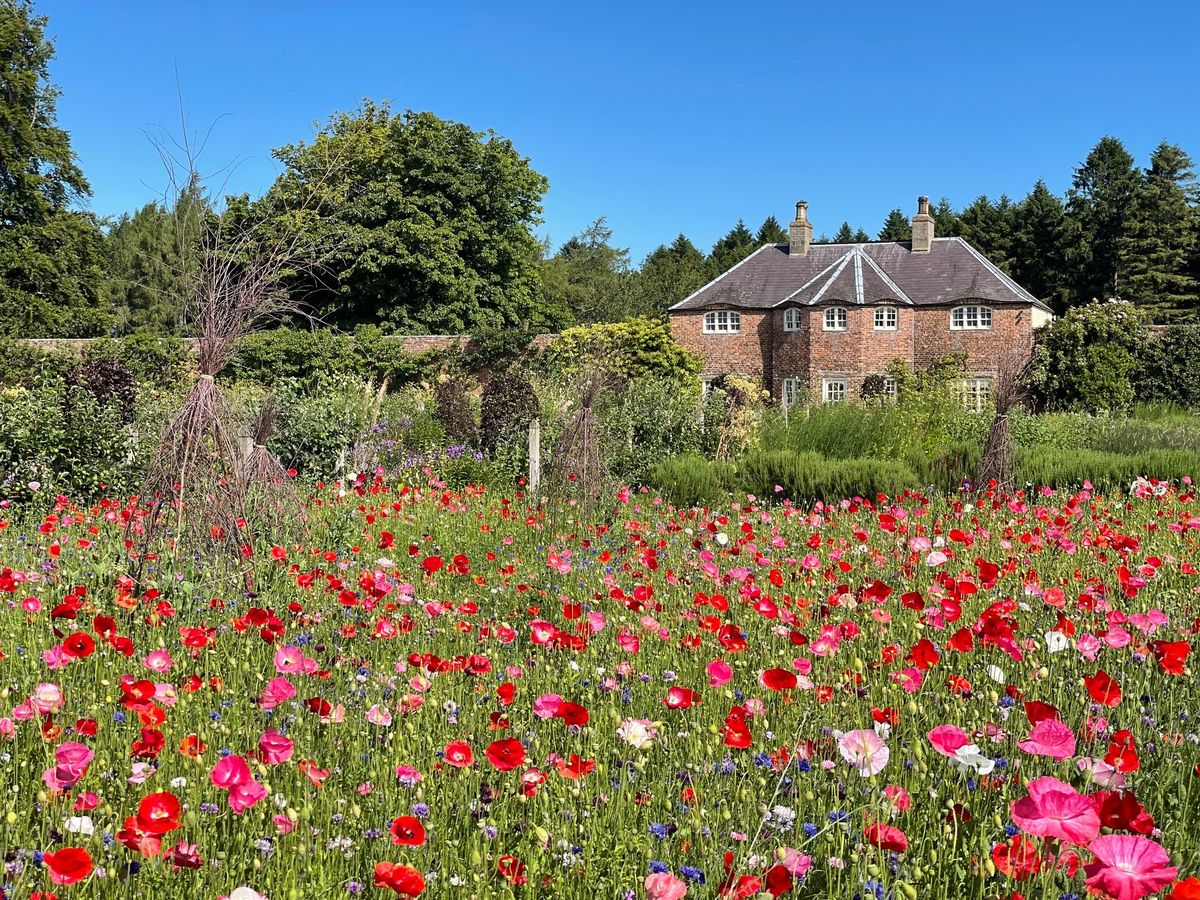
<point x="664" y="117"/>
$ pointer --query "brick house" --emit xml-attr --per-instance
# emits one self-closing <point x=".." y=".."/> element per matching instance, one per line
<point x="823" y="317"/>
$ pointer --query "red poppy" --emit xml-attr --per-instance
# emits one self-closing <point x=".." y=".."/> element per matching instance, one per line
<point x="1120" y="811"/>
<point x="778" y="679"/>
<point x="886" y="837"/>
<point x="79" y="645"/>
<point x="1188" y="889"/>
<point x="1103" y="689"/>
<point x="404" y="880"/>
<point x="737" y="732"/>
<point x="1171" y="655"/>
<point x="1018" y="858"/>
<point x="459" y="754"/>
<point x="1122" y="752"/>
<point x="1037" y="711"/>
<point x="512" y="869"/>
<point x="778" y="881"/>
<point x="158" y="813"/>
<point x="682" y="698"/>
<point x="924" y="655"/>
<point x="575" y="768"/>
<point x="572" y="714"/>
<point x="408" y="831"/>
<point x="68" y="865"/>
<point x="149" y="745"/>
<point x="506" y="754"/>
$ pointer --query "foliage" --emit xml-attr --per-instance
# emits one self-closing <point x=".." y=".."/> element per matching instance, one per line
<point x="1099" y="203"/>
<point x="320" y="418"/>
<point x="693" y="480"/>
<point x="1088" y="358"/>
<point x="109" y="382"/>
<point x="809" y="476"/>
<point x="648" y="421"/>
<point x="1105" y="471"/>
<point x="896" y="227"/>
<point x="494" y="350"/>
<point x="23" y="363"/>
<point x="506" y="407"/>
<point x="453" y="410"/>
<point x="633" y="349"/>
<point x="590" y="278"/>
<point x="671" y="273"/>
<point x="425" y="228"/>
<point x="267" y="356"/>
<point x="1169" y="368"/>
<point x="51" y="263"/>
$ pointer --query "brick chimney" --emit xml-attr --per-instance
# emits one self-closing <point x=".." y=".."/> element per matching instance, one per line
<point x="922" y="227"/>
<point x="800" y="231"/>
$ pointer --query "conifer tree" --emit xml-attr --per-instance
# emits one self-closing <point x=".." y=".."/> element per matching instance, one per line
<point x="733" y="247"/>
<point x="1039" y="246"/>
<point x="896" y="227"/>
<point x="771" y="232"/>
<point x="1098" y="205"/>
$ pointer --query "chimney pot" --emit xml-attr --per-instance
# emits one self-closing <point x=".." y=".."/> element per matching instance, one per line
<point x="800" y="232"/>
<point x="922" y="227"/>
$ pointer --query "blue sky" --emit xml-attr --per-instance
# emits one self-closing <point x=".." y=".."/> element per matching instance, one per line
<point x="664" y="117"/>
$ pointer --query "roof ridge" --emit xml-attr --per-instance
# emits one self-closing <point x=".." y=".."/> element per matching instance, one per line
<point x="887" y="279"/>
<point x="810" y="281"/>
<point x="832" y="278"/>
<point x="999" y="273"/>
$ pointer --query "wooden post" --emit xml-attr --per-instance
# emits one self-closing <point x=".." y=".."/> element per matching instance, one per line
<point x="245" y="445"/>
<point x="535" y="456"/>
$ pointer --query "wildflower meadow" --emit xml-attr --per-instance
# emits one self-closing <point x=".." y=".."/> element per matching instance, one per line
<point x="458" y="694"/>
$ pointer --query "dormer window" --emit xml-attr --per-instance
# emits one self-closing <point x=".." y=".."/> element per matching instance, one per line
<point x="791" y="319"/>
<point x="971" y="318"/>
<point x="886" y="318"/>
<point x="836" y="319"/>
<point x="724" y="321"/>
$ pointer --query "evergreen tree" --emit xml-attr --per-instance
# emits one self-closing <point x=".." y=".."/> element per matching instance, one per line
<point x="844" y="235"/>
<point x="1159" y="243"/>
<point x="861" y="237"/>
<point x="947" y="222"/>
<point x="896" y="227"/>
<point x="671" y="273"/>
<point x="1039" y="246"/>
<point x="771" y="232"/>
<point x="1098" y="205"/>
<point x="591" y="278"/>
<point x="51" y="261"/>
<point x="733" y="247"/>
<point x="988" y="227"/>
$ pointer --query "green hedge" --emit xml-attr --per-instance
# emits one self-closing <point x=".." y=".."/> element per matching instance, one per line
<point x="1105" y="471"/>
<point x="693" y="480"/>
<point x="809" y="476"/>
<point x="266" y="357"/>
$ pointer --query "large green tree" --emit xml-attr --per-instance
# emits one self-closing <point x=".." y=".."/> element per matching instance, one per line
<point x="735" y="246"/>
<point x="671" y="273"/>
<point x="989" y="227"/>
<point x="1159" y="243"/>
<point x="590" y="278"/>
<point x="51" y="259"/>
<point x="770" y="232"/>
<point x="1098" y="206"/>
<point x="1039" y="246"/>
<point x="896" y="227"/>
<point x="423" y="225"/>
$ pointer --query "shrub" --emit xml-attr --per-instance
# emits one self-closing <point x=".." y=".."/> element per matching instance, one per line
<point x="109" y="383"/>
<point x="652" y="419"/>
<point x="1107" y="472"/>
<point x="292" y="353"/>
<point x="24" y="363"/>
<point x="319" y="419"/>
<point x="152" y="359"/>
<point x="633" y="349"/>
<point x="1087" y="359"/>
<point x="693" y="480"/>
<point x="453" y="411"/>
<point x="808" y="476"/>
<point x="506" y="407"/>
<point x="1169" y="368"/>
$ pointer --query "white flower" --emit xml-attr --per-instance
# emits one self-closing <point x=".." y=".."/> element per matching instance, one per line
<point x="1056" y="642"/>
<point x="637" y="733"/>
<point x="79" y="825"/>
<point x="996" y="674"/>
<point x="722" y="538"/>
<point x="969" y="757"/>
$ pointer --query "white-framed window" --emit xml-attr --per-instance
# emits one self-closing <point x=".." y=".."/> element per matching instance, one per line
<point x="791" y="319"/>
<point x="707" y="383"/>
<point x="833" y="390"/>
<point x="976" y="393"/>
<point x="889" y="387"/>
<point x="793" y="390"/>
<point x="971" y="318"/>
<point x="886" y="318"/>
<point x="723" y="321"/>
<point x="836" y="319"/>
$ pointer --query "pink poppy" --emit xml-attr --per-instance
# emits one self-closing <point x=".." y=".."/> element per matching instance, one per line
<point x="1128" y="867"/>
<point x="865" y="751"/>
<point x="1054" y="809"/>
<point x="946" y="739"/>
<point x="230" y="772"/>
<point x="244" y="796"/>
<point x="719" y="672"/>
<point x="275" y="748"/>
<point x="547" y="706"/>
<point x="665" y="886"/>
<point x="1050" y="737"/>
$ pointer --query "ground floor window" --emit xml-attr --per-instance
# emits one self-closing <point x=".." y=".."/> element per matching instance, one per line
<point x="833" y="390"/>
<point x="976" y="393"/>
<point x="889" y="387"/>
<point x="793" y="390"/>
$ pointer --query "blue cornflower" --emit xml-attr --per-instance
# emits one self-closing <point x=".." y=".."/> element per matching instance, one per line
<point x="659" y="830"/>
<point x="810" y="829"/>
<point x="657" y="867"/>
<point x="691" y="873"/>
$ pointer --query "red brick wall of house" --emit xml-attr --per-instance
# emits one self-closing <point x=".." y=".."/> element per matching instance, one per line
<point x="746" y="353"/>
<point x="763" y="350"/>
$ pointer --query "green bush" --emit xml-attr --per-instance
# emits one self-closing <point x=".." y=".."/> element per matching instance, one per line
<point x="1168" y="367"/>
<point x="506" y="407"/>
<point x="266" y="357"/>
<point x="318" y="420"/>
<point x="1044" y="467"/>
<point x="453" y="410"/>
<point x="23" y="363"/>
<point x="633" y="349"/>
<point x="67" y="441"/>
<point x="152" y="359"/>
<point x="652" y="419"/>
<point x="809" y="476"/>
<point x="693" y="480"/>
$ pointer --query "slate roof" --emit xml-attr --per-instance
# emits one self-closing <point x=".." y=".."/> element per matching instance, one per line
<point x="950" y="272"/>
